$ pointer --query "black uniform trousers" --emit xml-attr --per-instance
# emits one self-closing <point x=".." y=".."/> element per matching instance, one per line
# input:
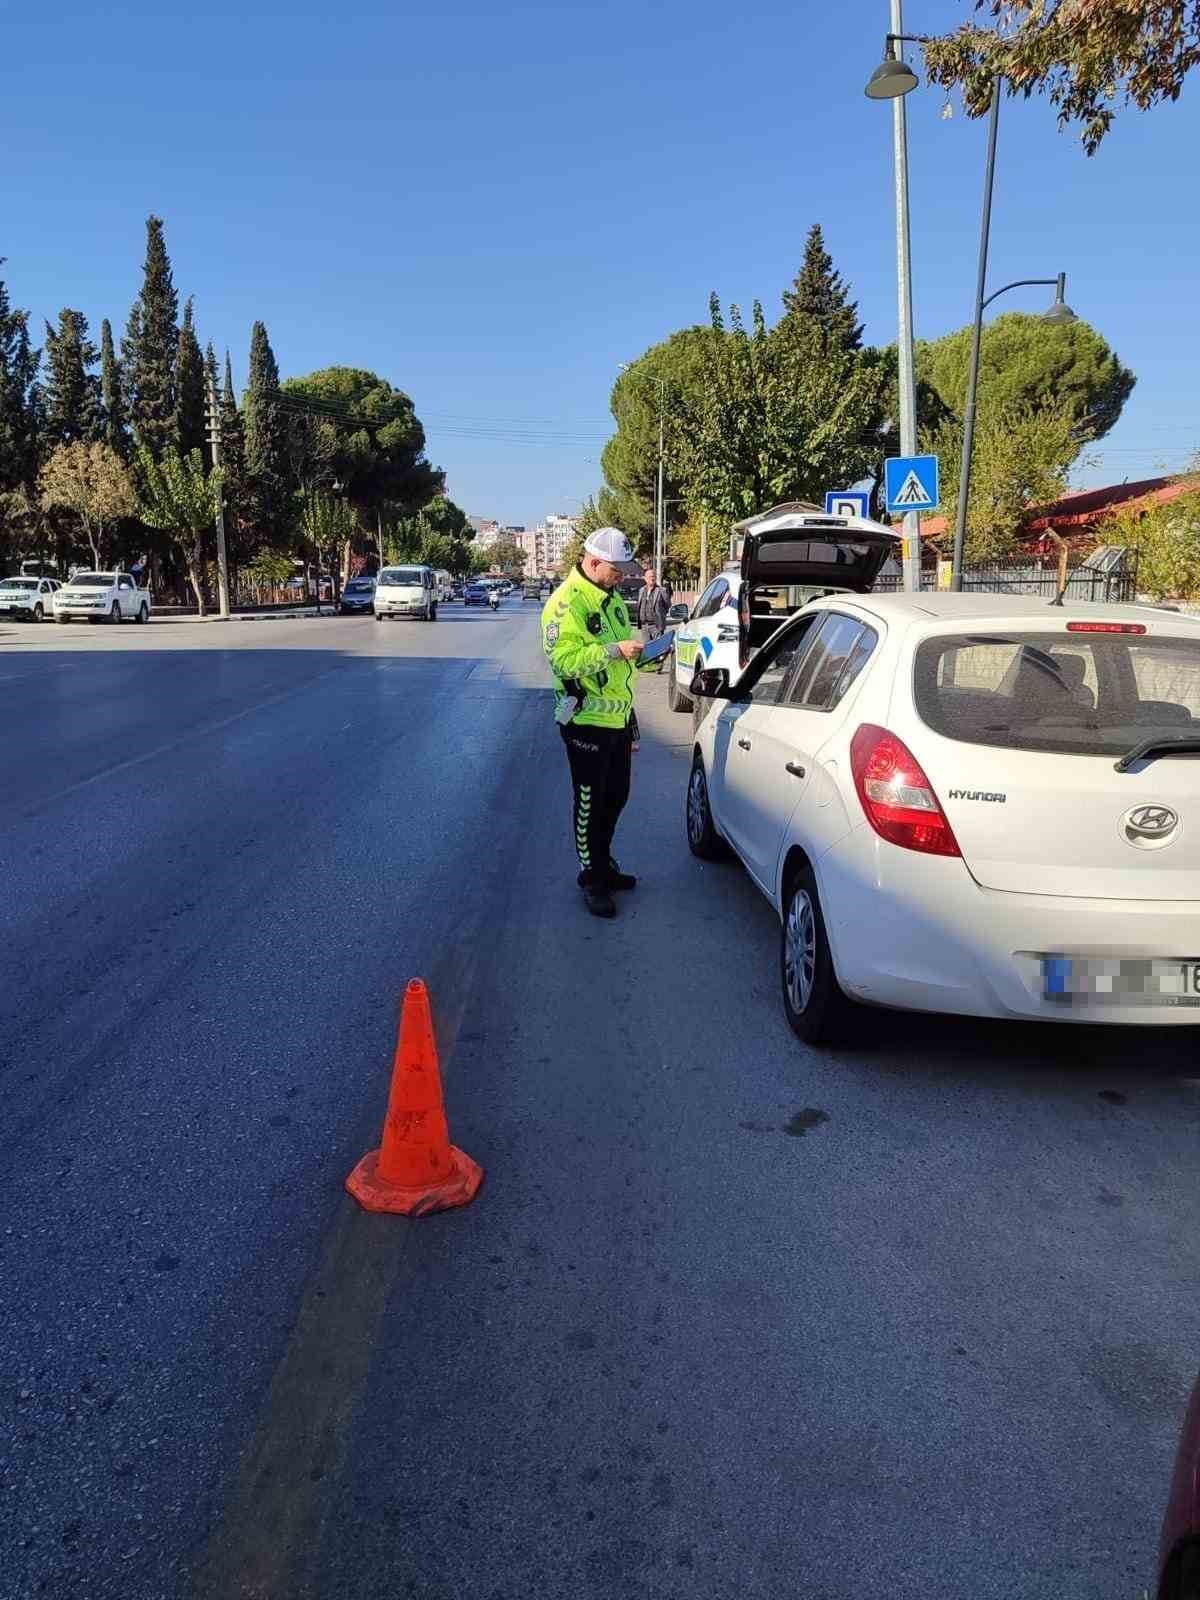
<point x="601" y="759"/>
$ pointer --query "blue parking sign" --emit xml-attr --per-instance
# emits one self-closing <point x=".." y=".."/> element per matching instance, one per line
<point x="847" y="503"/>
<point x="911" y="483"/>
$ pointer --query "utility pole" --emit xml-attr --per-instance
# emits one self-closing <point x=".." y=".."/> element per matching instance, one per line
<point x="910" y="527"/>
<point x="214" y="440"/>
<point x="660" y="532"/>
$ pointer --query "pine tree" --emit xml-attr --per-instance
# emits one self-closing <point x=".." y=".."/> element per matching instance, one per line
<point x="112" y="396"/>
<point x="152" y="346"/>
<point x="266" y="473"/>
<point x="19" y="363"/>
<point x="189" y="431"/>
<point x="71" y="391"/>
<point x="819" y="291"/>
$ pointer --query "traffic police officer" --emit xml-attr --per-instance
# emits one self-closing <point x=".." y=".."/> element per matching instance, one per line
<point x="593" y="655"/>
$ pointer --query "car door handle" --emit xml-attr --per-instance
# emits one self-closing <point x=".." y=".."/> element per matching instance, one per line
<point x="794" y="767"/>
<point x="743" y="744"/>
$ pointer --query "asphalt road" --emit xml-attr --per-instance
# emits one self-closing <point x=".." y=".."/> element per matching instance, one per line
<point x="730" y="1319"/>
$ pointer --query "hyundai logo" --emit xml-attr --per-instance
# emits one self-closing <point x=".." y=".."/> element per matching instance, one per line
<point x="1148" y="827"/>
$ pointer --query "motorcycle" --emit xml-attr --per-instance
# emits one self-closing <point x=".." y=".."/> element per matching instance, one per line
<point x="494" y="599"/>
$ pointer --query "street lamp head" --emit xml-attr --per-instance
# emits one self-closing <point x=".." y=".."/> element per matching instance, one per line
<point x="1059" y="314"/>
<point x="891" y="79"/>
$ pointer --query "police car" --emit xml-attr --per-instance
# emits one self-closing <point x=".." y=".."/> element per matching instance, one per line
<point x="708" y="638"/>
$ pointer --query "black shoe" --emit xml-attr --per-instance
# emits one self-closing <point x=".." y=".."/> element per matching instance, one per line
<point x="618" y="879"/>
<point x="598" y="900"/>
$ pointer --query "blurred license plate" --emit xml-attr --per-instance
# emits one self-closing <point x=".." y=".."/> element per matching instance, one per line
<point x="1102" y="980"/>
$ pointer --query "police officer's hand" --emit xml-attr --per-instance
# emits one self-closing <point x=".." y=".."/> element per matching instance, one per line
<point x="631" y="649"/>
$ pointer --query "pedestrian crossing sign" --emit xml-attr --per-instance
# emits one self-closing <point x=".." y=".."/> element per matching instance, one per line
<point x="911" y="483"/>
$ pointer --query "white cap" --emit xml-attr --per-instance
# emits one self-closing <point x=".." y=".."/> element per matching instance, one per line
<point x="610" y="544"/>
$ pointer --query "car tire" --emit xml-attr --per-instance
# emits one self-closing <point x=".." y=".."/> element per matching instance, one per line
<point x="143" y="615"/>
<point x="38" y="612"/>
<point x="816" y="1009"/>
<point x="433" y="614"/>
<point x="62" y="621"/>
<point x="703" y="839"/>
<point x="676" y="699"/>
<point x="114" y="616"/>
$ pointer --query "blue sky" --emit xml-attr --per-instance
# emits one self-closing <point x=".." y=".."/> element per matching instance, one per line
<point x="494" y="205"/>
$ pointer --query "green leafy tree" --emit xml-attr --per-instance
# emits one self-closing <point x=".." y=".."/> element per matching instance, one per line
<point x="271" y="566"/>
<point x="1021" y="458"/>
<point x="176" y="495"/>
<point x="151" y="347"/>
<point x="114" y="423"/>
<point x="670" y="374"/>
<point x="380" y="461"/>
<point x="1081" y="53"/>
<point x="189" y="430"/>
<point x="70" y="395"/>
<point x="268" y="491"/>
<point x="820" y="292"/>
<point x="506" y="556"/>
<point x="783" y="415"/>
<point x="88" y="478"/>
<point x="1024" y="361"/>
<point x="1167" y="539"/>
<point x="327" y="522"/>
<point x="20" y="503"/>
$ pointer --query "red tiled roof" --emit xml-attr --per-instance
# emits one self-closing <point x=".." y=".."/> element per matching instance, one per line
<point x="1085" y="509"/>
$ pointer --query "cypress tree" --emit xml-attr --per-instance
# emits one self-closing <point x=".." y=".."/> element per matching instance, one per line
<point x="71" y="391"/>
<point x="212" y="386"/>
<point x="112" y="397"/>
<point x="151" y="348"/>
<point x="819" y="291"/>
<point x="19" y="363"/>
<point x="189" y="388"/>
<point x="233" y="462"/>
<point x="266" y="468"/>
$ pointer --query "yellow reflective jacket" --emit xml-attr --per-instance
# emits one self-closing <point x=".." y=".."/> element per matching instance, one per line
<point x="581" y="626"/>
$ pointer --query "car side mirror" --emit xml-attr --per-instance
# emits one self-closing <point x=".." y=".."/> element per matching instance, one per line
<point x="712" y="683"/>
<point x="677" y="613"/>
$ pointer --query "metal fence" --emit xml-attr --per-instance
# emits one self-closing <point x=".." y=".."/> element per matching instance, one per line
<point x="1108" y="583"/>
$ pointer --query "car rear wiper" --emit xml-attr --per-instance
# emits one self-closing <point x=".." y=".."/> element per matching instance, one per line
<point x="1187" y="745"/>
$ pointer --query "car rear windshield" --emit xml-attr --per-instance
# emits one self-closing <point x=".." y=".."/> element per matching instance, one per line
<point x="402" y="578"/>
<point x="1088" y="694"/>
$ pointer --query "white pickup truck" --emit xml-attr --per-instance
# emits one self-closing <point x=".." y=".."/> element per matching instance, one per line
<point x="110" y="596"/>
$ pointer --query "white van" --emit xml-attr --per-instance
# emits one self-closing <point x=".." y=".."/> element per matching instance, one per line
<point x="408" y="591"/>
<point x="445" y="585"/>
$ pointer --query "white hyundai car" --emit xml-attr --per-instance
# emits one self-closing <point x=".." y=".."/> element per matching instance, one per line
<point x="965" y="803"/>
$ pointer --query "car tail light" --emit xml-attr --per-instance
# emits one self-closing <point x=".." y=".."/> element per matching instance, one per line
<point x="1106" y="627"/>
<point x="896" y="796"/>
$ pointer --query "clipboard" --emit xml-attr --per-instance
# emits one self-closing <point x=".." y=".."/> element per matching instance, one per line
<point x="658" y="647"/>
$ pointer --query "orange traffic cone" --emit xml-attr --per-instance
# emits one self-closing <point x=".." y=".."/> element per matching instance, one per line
<point x="416" y="1169"/>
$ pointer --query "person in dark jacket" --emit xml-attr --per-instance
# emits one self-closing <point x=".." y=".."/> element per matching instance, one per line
<point x="653" y="603"/>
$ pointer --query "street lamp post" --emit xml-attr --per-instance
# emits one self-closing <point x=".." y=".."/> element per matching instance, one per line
<point x="892" y="80"/>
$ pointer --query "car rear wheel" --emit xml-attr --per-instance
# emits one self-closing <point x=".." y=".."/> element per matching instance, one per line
<point x="703" y="839"/>
<point x="115" y="614"/>
<point x="817" y="1010"/>
<point x="143" y="615"/>
<point x="38" y="612"/>
<point x="676" y="699"/>
<point x="433" y="614"/>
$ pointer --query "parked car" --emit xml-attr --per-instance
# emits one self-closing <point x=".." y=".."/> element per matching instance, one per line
<point x="101" y="596"/>
<point x="1179" y="1545"/>
<point x="475" y="594"/>
<point x="27" y="597"/>
<point x="966" y="803"/>
<point x="406" y="592"/>
<point x="358" y="597"/>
